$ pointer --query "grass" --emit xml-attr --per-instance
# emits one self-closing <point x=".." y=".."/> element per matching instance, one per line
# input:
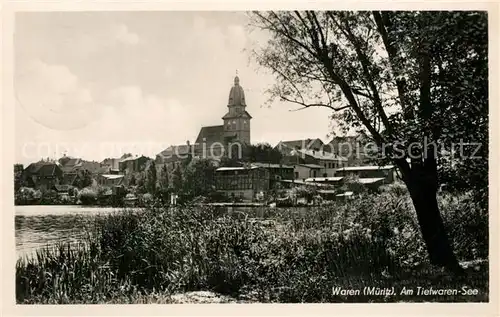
<point x="292" y="256"/>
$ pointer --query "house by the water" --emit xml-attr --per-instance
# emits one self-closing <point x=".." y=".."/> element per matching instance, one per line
<point x="243" y="182"/>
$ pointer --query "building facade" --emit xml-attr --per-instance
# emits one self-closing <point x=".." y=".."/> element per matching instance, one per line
<point x="305" y="171"/>
<point x="133" y="164"/>
<point x="277" y="172"/>
<point x="242" y="182"/>
<point x="43" y="175"/>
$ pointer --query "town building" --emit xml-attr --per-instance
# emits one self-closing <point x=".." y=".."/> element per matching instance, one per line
<point x="42" y="175"/>
<point x="70" y="164"/>
<point x="304" y="171"/>
<point x="277" y="172"/>
<point x="356" y="149"/>
<point x="72" y="179"/>
<point x="320" y="163"/>
<point x="370" y="176"/>
<point x="286" y="147"/>
<point x="329" y="162"/>
<point x="111" y="163"/>
<point x="133" y="164"/>
<point x="244" y="182"/>
<point x="110" y="179"/>
<point x="332" y="180"/>
<point x="220" y="140"/>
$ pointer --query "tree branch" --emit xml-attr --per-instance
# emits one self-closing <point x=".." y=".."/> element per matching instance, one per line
<point x="365" y="65"/>
<point x="305" y="106"/>
<point x="382" y="22"/>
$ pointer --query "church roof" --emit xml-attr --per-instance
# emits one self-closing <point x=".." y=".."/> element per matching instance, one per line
<point x="176" y="150"/>
<point x="211" y="134"/>
<point x="244" y="114"/>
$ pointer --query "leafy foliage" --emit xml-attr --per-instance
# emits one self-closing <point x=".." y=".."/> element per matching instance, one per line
<point x="407" y="79"/>
<point x="400" y="77"/>
<point x="262" y="152"/>
<point x="279" y="255"/>
<point x="199" y="178"/>
<point x="151" y="178"/>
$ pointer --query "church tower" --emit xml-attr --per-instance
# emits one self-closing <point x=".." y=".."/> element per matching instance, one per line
<point x="237" y="119"/>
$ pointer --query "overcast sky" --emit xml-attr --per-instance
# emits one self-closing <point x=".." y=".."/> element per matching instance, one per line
<point x="97" y="85"/>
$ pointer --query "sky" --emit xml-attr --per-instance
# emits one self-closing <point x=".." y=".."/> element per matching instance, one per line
<point x="100" y="84"/>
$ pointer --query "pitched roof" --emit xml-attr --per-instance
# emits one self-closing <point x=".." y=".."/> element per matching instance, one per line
<point x="370" y="180"/>
<point x="113" y="162"/>
<point x="321" y="155"/>
<point x="69" y="179"/>
<point x="324" y="179"/>
<point x="68" y="169"/>
<point x="43" y="168"/>
<point x="303" y="143"/>
<point x="237" y="168"/>
<point x="271" y="165"/>
<point x="366" y="168"/>
<point x="211" y="134"/>
<point x="73" y="162"/>
<point x="175" y="150"/>
<point x="314" y="166"/>
<point x="133" y="158"/>
<point x="93" y="167"/>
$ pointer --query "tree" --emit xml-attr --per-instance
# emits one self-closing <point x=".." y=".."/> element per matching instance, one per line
<point x="126" y="155"/>
<point x="18" y="177"/>
<point x="132" y="181"/>
<point x="401" y="78"/>
<point x="141" y="184"/>
<point x="262" y="152"/>
<point x="151" y="178"/>
<point x="177" y="179"/>
<point x="164" y="184"/>
<point x="229" y="162"/>
<point x="199" y="178"/>
<point x="84" y="180"/>
<point x="164" y="181"/>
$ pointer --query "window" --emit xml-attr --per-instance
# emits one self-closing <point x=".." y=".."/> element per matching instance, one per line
<point x="296" y="174"/>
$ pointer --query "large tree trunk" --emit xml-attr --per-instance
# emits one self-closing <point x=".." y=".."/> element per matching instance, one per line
<point x="424" y="197"/>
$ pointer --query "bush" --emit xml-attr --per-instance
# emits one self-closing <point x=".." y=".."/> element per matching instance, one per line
<point x="27" y="195"/>
<point x="396" y="188"/>
<point x="271" y="255"/>
<point x="467" y="223"/>
<point x="88" y="196"/>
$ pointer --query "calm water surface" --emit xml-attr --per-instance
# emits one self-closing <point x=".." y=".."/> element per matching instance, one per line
<point x="39" y="226"/>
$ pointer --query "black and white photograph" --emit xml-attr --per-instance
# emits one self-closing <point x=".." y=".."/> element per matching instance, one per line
<point x="241" y="157"/>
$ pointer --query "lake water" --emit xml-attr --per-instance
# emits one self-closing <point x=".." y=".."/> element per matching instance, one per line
<point x="39" y="226"/>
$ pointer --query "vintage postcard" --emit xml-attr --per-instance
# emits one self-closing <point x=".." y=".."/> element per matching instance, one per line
<point x="197" y="154"/>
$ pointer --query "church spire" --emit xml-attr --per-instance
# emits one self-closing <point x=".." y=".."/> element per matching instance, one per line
<point x="236" y="79"/>
<point x="236" y="94"/>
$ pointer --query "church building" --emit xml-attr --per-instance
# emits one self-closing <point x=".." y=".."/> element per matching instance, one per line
<point x="220" y="140"/>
